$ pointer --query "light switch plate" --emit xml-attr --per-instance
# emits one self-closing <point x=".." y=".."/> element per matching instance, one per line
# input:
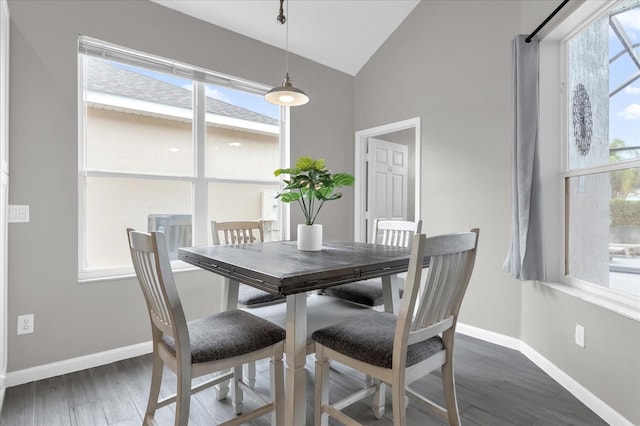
<point x="17" y="213"/>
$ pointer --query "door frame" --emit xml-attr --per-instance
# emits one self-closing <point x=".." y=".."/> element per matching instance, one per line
<point x="361" y="138"/>
<point x="4" y="182"/>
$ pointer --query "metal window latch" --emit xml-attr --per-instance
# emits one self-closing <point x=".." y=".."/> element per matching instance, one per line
<point x="357" y="273"/>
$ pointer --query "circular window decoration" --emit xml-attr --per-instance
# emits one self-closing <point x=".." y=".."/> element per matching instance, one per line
<point x="582" y="119"/>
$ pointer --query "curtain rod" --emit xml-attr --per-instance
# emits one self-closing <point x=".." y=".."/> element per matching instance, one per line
<point x="528" y="39"/>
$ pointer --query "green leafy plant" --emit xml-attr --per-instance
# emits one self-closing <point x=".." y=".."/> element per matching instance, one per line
<point x="311" y="184"/>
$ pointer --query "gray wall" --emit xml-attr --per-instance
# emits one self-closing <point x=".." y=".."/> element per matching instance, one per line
<point x="449" y="63"/>
<point x="450" y="68"/>
<point x="74" y="319"/>
<point x="609" y="364"/>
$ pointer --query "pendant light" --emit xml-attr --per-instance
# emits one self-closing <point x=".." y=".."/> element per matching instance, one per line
<point x="286" y="95"/>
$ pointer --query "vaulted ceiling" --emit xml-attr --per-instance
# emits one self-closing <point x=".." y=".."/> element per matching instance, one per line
<point x="341" y="34"/>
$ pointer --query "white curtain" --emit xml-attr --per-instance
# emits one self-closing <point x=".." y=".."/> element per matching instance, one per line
<point x="525" y="259"/>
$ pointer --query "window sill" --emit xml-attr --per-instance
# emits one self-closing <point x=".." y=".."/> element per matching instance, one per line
<point x="624" y="305"/>
<point x="178" y="267"/>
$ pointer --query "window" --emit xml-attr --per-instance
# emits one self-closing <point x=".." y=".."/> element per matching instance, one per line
<point x="602" y="173"/>
<point x="168" y="147"/>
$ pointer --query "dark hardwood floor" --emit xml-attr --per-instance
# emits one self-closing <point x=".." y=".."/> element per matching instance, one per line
<point x="495" y="386"/>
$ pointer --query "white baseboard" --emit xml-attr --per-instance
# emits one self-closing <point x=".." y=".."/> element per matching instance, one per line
<point x="583" y="394"/>
<point x="489" y="336"/>
<point x="46" y="371"/>
<point x="594" y="403"/>
<point x="2" y="392"/>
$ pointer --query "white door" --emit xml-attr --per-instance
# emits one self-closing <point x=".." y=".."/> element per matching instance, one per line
<point x="388" y="170"/>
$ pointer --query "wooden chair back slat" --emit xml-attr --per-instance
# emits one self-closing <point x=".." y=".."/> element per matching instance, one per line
<point x="439" y="298"/>
<point x="396" y="233"/>
<point x="237" y="232"/>
<point x="151" y="288"/>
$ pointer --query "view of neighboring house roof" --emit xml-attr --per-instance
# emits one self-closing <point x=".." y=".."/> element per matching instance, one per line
<point x="103" y="77"/>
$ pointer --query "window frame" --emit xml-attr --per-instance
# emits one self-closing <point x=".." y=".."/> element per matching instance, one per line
<point x="554" y="42"/>
<point x="199" y="181"/>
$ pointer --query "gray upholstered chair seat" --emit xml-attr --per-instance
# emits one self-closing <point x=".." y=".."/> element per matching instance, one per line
<point x="250" y="296"/>
<point x="369" y="338"/>
<point x="236" y="333"/>
<point x="368" y="293"/>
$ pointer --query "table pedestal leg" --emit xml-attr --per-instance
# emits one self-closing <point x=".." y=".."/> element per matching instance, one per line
<point x="296" y="350"/>
<point x="230" y="294"/>
<point x="230" y="302"/>
<point x="391" y="293"/>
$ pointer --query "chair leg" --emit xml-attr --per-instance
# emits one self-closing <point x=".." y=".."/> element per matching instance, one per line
<point x="377" y="403"/>
<point x="154" y="391"/>
<point x="321" y="390"/>
<point x="183" y="397"/>
<point x="277" y="388"/>
<point x="236" y="391"/>
<point x="250" y="374"/>
<point x="398" y="400"/>
<point x="449" y="385"/>
<point x="222" y="389"/>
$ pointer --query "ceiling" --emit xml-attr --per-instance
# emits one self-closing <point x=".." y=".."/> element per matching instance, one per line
<point x="341" y="34"/>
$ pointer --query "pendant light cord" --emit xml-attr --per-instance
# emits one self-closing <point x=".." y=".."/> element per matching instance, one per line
<point x="283" y="19"/>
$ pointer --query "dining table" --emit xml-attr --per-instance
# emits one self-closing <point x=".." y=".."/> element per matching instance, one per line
<point x="279" y="268"/>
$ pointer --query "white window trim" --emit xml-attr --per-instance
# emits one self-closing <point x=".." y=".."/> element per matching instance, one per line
<point x="553" y="136"/>
<point x="200" y="118"/>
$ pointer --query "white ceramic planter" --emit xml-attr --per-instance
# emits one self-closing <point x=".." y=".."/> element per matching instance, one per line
<point x="310" y="237"/>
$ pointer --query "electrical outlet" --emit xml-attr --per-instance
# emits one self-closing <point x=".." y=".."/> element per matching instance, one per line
<point x="25" y="324"/>
<point x="580" y="335"/>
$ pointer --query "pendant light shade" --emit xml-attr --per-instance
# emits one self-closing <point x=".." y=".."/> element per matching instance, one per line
<point x="286" y="95"/>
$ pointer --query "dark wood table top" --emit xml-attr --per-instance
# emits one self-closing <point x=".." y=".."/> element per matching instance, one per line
<point x="278" y="267"/>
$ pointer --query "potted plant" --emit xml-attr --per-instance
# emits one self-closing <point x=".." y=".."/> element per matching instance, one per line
<point x="311" y="184"/>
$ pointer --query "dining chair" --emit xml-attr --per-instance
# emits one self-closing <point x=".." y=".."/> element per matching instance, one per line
<point x="397" y="233"/>
<point x="397" y="350"/>
<point x="213" y="344"/>
<point x="244" y="232"/>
